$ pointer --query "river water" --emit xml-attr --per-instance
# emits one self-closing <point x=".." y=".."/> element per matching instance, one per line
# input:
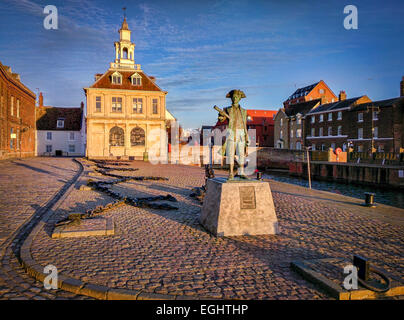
<point x="390" y="197"/>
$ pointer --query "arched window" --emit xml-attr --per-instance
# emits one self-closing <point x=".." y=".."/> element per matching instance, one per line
<point x="137" y="137"/>
<point x="116" y="137"/>
<point x="125" y="53"/>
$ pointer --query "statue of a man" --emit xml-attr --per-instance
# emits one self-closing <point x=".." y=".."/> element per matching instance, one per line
<point x="237" y="134"/>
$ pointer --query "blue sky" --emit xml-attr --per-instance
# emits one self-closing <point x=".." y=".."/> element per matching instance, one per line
<point x="199" y="50"/>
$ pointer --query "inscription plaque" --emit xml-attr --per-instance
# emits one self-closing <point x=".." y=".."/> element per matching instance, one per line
<point x="247" y="197"/>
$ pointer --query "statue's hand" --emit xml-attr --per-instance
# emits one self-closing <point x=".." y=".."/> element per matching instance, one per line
<point x="221" y="118"/>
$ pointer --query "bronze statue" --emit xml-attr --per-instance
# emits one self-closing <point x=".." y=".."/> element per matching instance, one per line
<point x="237" y="134"/>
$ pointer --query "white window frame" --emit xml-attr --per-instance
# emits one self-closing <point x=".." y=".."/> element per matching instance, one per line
<point x="360" y="133"/>
<point x="49" y="134"/>
<point x="60" y="123"/>
<point x="98" y="104"/>
<point x="313" y="132"/>
<point x="298" y="133"/>
<point x="321" y="118"/>
<point x="339" y="117"/>
<point x="18" y="108"/>
<point x="339" y="132"/>
<point x="116" y="78"/>
<point x="330" y="116"/>
<point x="136" y="79"/>
<point x="74" y="148"/>
<point x="313" y="119"/>
<point x="375" y="115"/>
<point x="360" y="117"/>
<point x="70" y="136"/>
<point x="136" y="102"/>
<point x="48" y="146"/>
<point x="329" y="131"/>
<point x="155" y="103"/>
<point x="12" y="106"/>
<point x="375" y="132"/>
<point x="320" y="132"/>
<point x="116" y="106"/>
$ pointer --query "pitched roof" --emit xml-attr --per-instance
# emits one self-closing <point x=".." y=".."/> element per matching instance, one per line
<point x="106" y="83"/>
<point x="302" y="107"/>
<point x="14" y="78"/>
<point x="380" y="104"/>
<point x="335" y="105"/>
<point x="302" y="91"/>
<point x="46" y="118"/>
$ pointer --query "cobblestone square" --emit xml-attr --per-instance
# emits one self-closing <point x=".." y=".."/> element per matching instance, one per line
<point x="167" y="252"/>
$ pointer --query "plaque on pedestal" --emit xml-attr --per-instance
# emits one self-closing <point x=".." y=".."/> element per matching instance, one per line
<point x="238" y="207"/>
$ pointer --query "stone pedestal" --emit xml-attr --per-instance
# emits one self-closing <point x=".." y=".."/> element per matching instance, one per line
<point x="233" y="208"/>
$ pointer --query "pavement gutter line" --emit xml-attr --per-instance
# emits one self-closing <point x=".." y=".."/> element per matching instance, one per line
<point x="76" y="286"/>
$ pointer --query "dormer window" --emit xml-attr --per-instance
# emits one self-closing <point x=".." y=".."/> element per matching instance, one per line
<point x="116" y="78"/>
<point x="136" y="79"/>
<point x="60" y="123"/>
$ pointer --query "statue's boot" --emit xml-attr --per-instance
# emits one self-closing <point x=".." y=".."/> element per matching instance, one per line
<point x="231" y="176"/>
<point x="242" y="174"/>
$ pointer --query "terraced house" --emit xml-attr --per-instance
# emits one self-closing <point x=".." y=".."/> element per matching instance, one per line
<point x="328" y="125"/>
<point x="290" y="125"/>
<point x="17" y="116"/>
<point x="377" y="126"/>
<point x="60" y="131"/>
<point x="126" y="109"/>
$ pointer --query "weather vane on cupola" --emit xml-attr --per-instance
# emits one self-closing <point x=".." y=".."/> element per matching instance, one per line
<point x="124" y="12"/>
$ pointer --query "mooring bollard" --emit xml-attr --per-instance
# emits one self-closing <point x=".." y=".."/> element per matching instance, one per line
<point x="369" y="199"/>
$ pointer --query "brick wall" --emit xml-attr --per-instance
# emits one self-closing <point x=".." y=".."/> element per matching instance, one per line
<point x="22" y="124"/>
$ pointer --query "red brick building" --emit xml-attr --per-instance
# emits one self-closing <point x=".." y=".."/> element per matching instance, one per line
<point x="328" y="125"/>
<point x="17" y="116"/>
<point x="314" y="91"/>
<point x="378" y="125"/>
<point x="263" y="123"/>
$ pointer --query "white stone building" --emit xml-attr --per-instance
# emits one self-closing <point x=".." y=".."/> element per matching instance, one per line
<point x="60" y="131"/>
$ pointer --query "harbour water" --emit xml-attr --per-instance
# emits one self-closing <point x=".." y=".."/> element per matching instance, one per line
<point x="386" y="196"/>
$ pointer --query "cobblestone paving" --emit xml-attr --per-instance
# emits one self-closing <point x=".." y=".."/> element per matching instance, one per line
<point x="168" y="252"/>
<point x="26" y="186"/>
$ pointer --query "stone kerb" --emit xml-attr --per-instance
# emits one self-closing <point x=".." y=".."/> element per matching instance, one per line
<point x="77" y="286"/>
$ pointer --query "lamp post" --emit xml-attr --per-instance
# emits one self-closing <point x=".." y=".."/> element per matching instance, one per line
<point x="308" y="165"/>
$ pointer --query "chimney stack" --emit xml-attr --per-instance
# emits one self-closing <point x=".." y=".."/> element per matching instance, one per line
<point x="402" y="87"/>
<point x="342" y="95"/>
<point x="40" y="101"/>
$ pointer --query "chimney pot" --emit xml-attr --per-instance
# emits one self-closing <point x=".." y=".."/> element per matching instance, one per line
<point x="342" y="95"/>
<point x="40" y="99"/>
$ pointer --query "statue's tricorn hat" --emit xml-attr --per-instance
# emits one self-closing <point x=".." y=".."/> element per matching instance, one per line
<point x="230" y="94"/>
